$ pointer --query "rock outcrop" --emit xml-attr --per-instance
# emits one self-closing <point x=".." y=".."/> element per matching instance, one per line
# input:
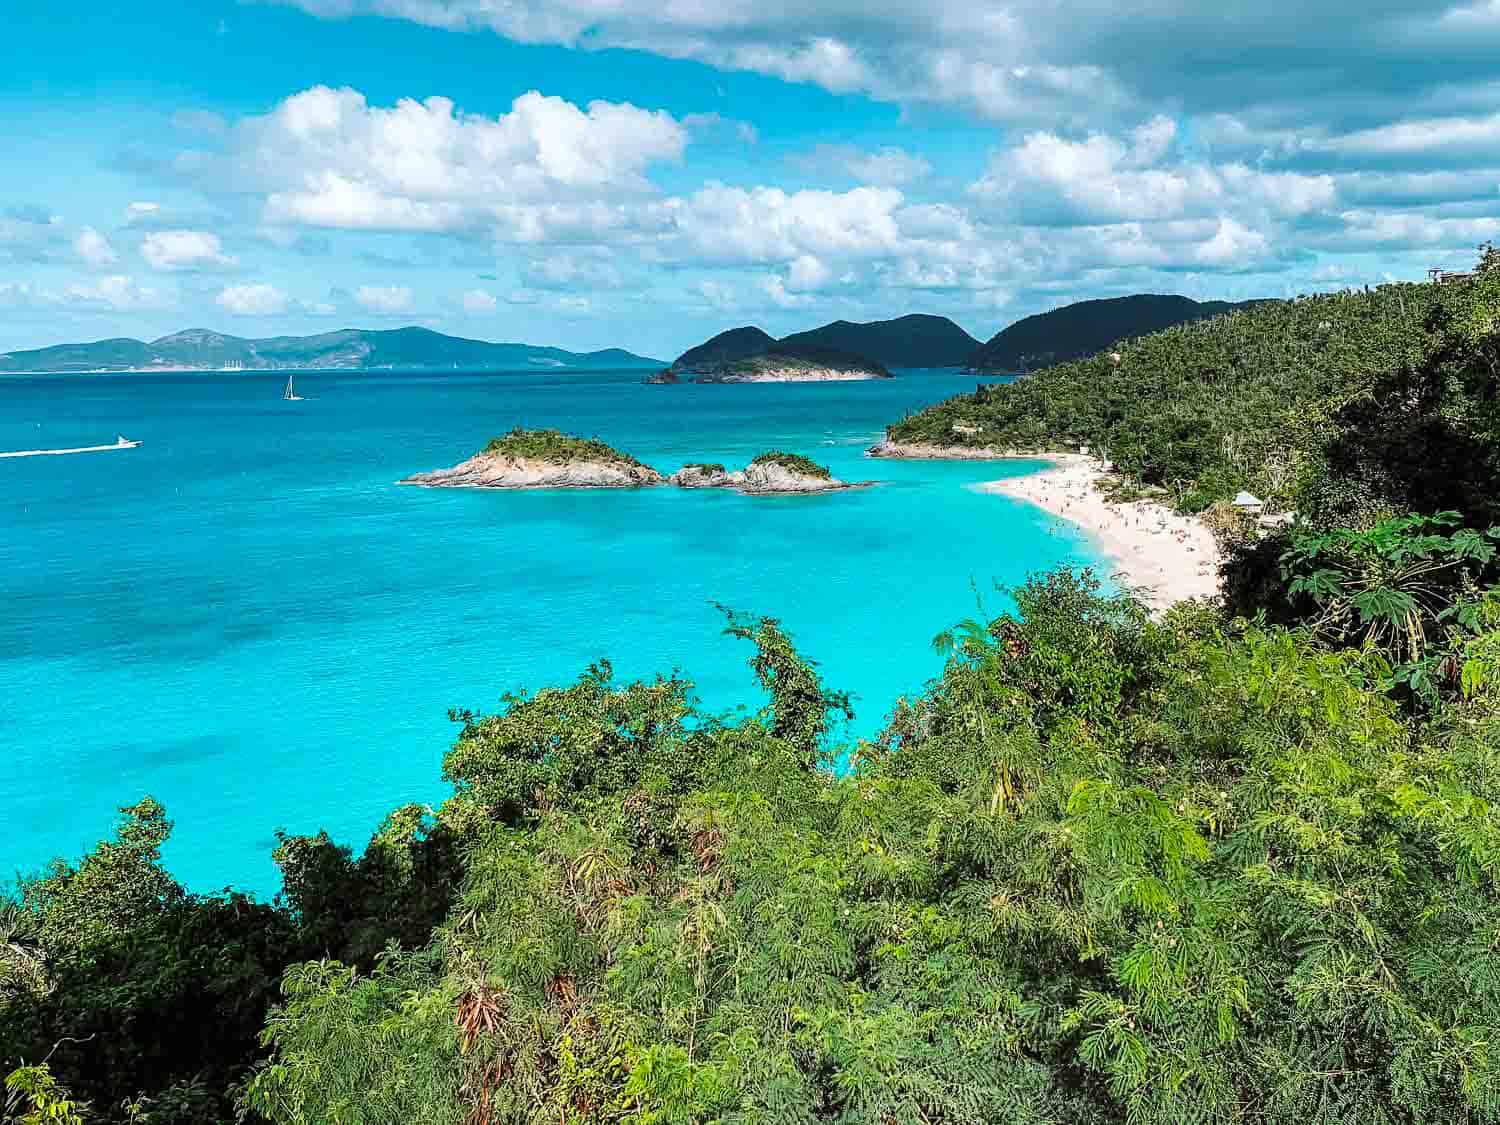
<point x="771" y="474"/>
<point x="926" y="451"/>
<point x="490" y="470"/>
<point x="542" y="459"/>
<point x="704" y="476"/>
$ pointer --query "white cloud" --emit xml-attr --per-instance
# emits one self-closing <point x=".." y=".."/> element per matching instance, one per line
<point x="766" y="224"/>
<point x="252" y="300"/>
<point x="141" y="209"/>
<point x="478" y="301"/>
<point x="94" y="248"/>
<point x="328" y="158"/>
<point x="184" y="250"/>
<point x="1233" y="246"/>
<point x="807" y="272"/>
<point x="1103" y="179"/>
<point x="384" y="299"/>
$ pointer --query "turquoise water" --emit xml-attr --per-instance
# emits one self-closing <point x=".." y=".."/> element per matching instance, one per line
<point x="248" y="620"/>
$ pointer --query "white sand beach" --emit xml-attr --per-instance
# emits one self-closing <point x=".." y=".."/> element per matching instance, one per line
<point x="1164" y="556"/>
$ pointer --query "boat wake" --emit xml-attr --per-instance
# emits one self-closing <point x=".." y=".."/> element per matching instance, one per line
<point x="120" y="443"/>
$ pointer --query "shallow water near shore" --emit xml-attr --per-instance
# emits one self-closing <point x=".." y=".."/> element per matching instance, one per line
<point x="247" y="619"/>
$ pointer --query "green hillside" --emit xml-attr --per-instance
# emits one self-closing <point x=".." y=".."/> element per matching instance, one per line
<point x="1283" y="399"/>
<point x="914" y="340"/>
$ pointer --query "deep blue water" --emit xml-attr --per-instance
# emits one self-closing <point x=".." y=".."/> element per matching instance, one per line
<point x="247" y="619"/>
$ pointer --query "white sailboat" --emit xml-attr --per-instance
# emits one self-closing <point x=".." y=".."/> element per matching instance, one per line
<point x="290" y="394"/>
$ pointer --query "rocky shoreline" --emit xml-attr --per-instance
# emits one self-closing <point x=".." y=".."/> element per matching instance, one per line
<point x="927" y="451"/>
<point x="761" y="479"/>
<point x="770" y="375"/>
<point x="489" y="470"/>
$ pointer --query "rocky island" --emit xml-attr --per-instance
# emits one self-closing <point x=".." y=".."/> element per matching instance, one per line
<point x="542" y="459"/>
<point x="553" y="459"/>
<point x="749" y="355"/>
<point x="779" y="365"/>
<point x="771" y="474"/>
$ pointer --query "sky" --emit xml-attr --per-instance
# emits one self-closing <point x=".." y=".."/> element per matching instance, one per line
<point x="644" y="173"/>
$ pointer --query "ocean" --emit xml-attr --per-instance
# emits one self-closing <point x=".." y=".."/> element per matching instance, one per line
<point x="247" y="619"/>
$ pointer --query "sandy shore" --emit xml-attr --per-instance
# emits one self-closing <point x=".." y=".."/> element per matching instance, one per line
<point x="1165" y="557"/>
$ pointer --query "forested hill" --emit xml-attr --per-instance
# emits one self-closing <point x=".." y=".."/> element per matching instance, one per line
<point x="350" y="348"/>
<point x="729" y="346"/>
<point x="1086" y="327"/>
<point x="915" y="340"/>
<point x="1307" y="403"/>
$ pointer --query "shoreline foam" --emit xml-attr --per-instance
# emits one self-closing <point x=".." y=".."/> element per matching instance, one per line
<point x="1163" y="556"/>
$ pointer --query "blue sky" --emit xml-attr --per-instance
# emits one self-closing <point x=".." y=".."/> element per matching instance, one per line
<point x="643" y="173"/>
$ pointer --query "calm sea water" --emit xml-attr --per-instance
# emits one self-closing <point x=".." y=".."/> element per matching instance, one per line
<point x="248" y="620"/>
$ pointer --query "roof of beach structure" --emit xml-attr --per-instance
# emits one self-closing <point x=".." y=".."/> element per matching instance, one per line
<point x="1248" y="500"/>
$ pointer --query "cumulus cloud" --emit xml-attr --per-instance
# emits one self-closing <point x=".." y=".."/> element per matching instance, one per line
<point x="386" y="300"/>
<point x="173" y="250"/>
<point x="327" y="158"/>
<point x="252" y="300"/>
<point x="1103" y="179"/>
<point x="94" y="248"/>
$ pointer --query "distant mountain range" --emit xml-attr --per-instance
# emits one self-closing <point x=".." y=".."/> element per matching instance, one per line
<point x="351" y="348"/>
<point x="908" y="341"/>
<point x="1087" y="327"/>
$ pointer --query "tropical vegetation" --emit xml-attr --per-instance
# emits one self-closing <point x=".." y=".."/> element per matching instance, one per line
<point x="794" y="462"/>
<point x="1342" y="406"/>
<point x="556" y="448"/>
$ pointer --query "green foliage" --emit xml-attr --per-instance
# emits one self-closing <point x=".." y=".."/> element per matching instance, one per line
<point x="1409" y="586"/>
<point x="800" y="704"/>
<point x="795" y="463"/>
<point x="1104" y="869"/>
<point x="705" y="466"/>
<point x="557" y="448"/>
<point x="398" y="889"/>
<point x="112" y="892"/>
<point x="150" y="1002"/>
<point x="34" y="1097"/>
<point x="562" y="746"/>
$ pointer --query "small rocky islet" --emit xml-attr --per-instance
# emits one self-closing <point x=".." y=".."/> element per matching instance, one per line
<point x="749" y="355"/>
<point x="539" y="459"/>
